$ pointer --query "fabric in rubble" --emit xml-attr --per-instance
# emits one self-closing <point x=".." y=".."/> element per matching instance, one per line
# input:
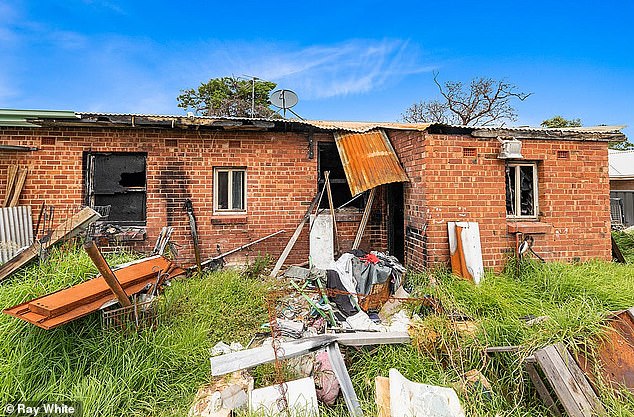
<point x="342" y="301"/>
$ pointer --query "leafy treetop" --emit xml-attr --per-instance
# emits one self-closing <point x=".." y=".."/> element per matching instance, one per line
<point x="228" y="96"/>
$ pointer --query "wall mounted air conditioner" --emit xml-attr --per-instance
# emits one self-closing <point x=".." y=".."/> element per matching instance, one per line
<point x="510" y="149"/>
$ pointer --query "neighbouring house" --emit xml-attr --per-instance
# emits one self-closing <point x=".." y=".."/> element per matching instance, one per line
<point x="248" y="178"/>
<point x="622" y="186"/>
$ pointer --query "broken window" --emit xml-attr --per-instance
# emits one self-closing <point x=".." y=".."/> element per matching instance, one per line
<point x="117" y="180"/>
<point x="329" y="160"/>
<point x="521" y="190"/>
<point x="230" y="189"/>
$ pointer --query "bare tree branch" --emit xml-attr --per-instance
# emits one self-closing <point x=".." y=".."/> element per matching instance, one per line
<point x="485" y="102"/>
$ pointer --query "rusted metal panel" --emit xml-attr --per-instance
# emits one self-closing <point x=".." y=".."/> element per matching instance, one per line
<point x="368" y="160"/>
<point x="16" y="231"/>
<point x="614" y="353"/>
<point x="66" y="305"/>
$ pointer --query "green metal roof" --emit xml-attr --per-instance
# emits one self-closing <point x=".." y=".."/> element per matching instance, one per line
<point x="28" y="118"/>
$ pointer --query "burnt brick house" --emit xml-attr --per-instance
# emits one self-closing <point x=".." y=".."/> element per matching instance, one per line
<point x="248" y="178"/>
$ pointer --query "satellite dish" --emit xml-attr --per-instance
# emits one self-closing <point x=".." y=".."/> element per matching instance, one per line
<point x="284" y="99"/>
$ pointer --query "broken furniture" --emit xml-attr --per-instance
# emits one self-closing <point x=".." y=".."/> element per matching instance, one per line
<point x="66" y="230"/>
<point x="567" y="381"/>
<point x="465" y="250"/>
<point x="64" y="306"/>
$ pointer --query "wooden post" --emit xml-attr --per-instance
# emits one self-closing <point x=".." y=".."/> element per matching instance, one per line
<point x="364" y="220"/>
<point x="106" y="273"/>
<point x="332" y="214"/>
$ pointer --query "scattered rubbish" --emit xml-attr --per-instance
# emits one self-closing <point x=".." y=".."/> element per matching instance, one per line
<point x="382" y="396"/>
<point x="298" y="397"/>
<point x="67" y="229"/>
<point x="221" y="398"/>
<point x="326" y="383"/>
<point x="534" y="320"/>
<point x="465" y="250"/>
<point x="475" y="380"/>
<point x="411" y="399"/>
<point x="222" y="348"/>
<point x="566" y="379"/>
<point x="614" y="352"/>
<point x="61" y="307"/>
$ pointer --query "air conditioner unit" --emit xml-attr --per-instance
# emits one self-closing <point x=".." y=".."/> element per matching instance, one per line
<point x="511" y="149"/>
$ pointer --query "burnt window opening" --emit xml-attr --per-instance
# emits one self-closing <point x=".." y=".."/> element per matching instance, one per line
<point x="230" y="190"/>
<point x="329" y="160"/>
<point x="117" y="180"/>
<point x="521" y="190"/>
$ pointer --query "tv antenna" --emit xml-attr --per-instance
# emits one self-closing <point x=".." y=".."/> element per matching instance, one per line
<point x="285" y="100"/>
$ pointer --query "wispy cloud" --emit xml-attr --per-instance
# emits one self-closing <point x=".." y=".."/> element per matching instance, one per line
<point x="321" y="71"/>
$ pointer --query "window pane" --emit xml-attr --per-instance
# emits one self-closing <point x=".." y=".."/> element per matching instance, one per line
<point x="510" y="191"/>
<point x="237" y="192"/>
<point x="223" y="190"/>
<point x="527" y="200"/>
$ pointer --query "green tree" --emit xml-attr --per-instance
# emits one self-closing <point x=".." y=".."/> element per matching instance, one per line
<point x="229" y="96"/>
<point x="483" y="102"/>
<point x="559" y="121"/>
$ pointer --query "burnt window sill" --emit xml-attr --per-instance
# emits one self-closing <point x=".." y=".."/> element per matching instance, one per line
<point x="534" y="227"/>
<point x="229" y="219"/>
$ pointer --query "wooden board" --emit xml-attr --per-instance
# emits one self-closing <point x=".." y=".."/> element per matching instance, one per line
<point x="568" y="382"/>
<point x="382" y="396"/>
<point x="541" y="388"/>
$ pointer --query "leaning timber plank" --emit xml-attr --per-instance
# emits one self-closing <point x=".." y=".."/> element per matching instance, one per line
<point x="11" y="175"/>
<point x="382" y="396"/>
<point x="69" y="228"/>
<point x="364" y="220"/>
<point x="563" y="382"/>
<point x="339" y="368"/>
<point x="19" y="184"/>
<point x="293" y="239"/>
<point x="581" y="380"/>
<point x="542" y="391"/>
<point x="372" y="338"/>
<point x="245" y="359"/>
<point x="616" y="252"/>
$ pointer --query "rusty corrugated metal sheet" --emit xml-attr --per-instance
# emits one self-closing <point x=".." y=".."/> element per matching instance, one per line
<point x="368" y="160"/>
<point x="16" y="231"/>
<point x="61" y="307"/>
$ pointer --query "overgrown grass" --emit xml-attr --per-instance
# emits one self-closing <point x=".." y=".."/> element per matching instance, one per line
<point x="154" y="373"/>
<point x="157" y="373"/>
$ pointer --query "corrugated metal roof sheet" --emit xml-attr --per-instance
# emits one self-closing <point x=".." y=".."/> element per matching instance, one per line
<point x="368" y="160"/>
<point x="621" y="164"/>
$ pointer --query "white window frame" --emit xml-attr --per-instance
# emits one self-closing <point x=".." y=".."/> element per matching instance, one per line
<point x="517" y="187"/>
<point x="230" y="171"/>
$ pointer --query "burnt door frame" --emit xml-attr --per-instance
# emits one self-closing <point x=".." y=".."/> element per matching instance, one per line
<point x="396" y="220"/>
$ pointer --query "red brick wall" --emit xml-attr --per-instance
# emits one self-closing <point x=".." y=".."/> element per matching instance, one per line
<point x="445" y="186"/>
<point x="281" y="180"/>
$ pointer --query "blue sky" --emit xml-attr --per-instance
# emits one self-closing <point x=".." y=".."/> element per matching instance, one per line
<point x="345" y="60"/>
